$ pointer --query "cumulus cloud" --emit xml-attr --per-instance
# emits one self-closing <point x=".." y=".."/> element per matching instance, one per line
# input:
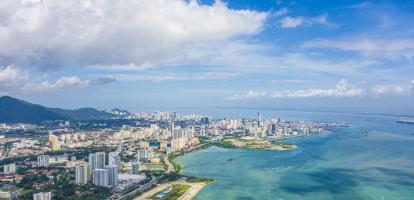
<point x="396" y="89"/>
<point x="342" y="89"/>
<point x="62" y="82"/>
<point x="293" y="22"/>
<point x="60" y="33"/>
<point x="14" y="79"/>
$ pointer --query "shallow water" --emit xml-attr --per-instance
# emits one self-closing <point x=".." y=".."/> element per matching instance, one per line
<point x="371" y="159"/>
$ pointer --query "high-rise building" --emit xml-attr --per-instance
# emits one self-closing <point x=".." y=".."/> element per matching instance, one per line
<point x="97" y="160"/>
<point x="285" y="130"/>
<point x="135" y="167"/>
<point x="142" y="153"/>
<point x="100" y="177"/>
<point x="82" y="174"/>
<point x="54" y="142"/>
<point x="273" y="130"/>
<point x="120" y="147"/>
<point x="114" y="159"/>
<point x="43" y="161"/>
<point x="259" y="119"/>
<point x="10" y="168"/>
<point x="112" y="175"/>
<point x="42" y="196"/>
<point x="171" y="127"/>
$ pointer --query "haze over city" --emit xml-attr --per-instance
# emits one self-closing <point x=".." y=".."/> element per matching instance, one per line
<point x="354" y="56"/>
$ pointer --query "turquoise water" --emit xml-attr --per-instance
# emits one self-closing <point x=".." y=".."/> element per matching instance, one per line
<point x="371" y="159"/>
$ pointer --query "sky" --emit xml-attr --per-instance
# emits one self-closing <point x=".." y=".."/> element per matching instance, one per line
<point x="341" y="55"/>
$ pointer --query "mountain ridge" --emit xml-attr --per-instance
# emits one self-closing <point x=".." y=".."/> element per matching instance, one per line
<point x="13" y="110"/>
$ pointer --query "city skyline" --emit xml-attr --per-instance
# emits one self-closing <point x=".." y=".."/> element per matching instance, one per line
<point x="171" y="55"/>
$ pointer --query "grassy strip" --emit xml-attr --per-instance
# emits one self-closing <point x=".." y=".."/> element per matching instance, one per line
<point x="193" y="179"/>
<point x="224" y="144"/>
<point x="177" y="191"/>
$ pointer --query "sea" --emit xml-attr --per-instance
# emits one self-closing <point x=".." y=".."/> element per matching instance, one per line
<point x="372" y="158"/>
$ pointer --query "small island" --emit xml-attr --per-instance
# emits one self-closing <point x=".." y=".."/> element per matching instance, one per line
<point x="254" y="143"/>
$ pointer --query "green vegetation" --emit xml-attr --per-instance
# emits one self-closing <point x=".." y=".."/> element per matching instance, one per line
<point x="63" y="188"/>
<point x="28" y="181"/>
<point x="177" y="191"/>
<point x="7" y="148"/>
<point x="164" y="165"/>
<point x="171" y="158"/>
<point x="258" y="144"/>
<point x="193" y="179"/>
<point x="172" y="176"/>
<point x="155" y="166"/>
<point x="225" y="144"/>
<point x="288" y="146"/>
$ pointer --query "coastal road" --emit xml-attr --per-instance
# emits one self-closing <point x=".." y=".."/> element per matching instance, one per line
<point x="170" y="166"/>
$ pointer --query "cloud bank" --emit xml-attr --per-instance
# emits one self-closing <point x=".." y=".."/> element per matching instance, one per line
<point x="15" y="79"/>
<point x="140" y="33"/>
<point x="342" y="89"/>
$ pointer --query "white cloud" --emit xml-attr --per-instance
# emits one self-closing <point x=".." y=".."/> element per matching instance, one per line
<point x="293" y="22"/>
<point x="13" y="79"/>
<point x="62" y="82"/>
<point x="342" y="89"/>
<point x="395" y="89"/>
<point x="281" y="12"/>
<point x="175" y="76"/>
<point x="363" y="44"/>
<point x="60" y="33"/>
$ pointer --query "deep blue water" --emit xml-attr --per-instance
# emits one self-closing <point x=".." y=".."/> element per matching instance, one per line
<point x="371" y="159"/>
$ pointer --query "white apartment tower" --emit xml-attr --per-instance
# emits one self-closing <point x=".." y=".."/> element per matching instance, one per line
<point x="82" y="175"/>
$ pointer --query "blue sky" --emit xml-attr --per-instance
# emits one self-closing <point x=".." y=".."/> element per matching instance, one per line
<point x="157" y="54"/>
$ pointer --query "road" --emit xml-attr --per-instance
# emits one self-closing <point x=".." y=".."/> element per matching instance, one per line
<point x="170" y="166"/>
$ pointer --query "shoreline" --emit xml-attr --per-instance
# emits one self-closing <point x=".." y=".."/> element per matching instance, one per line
<point x="177" y="168"/>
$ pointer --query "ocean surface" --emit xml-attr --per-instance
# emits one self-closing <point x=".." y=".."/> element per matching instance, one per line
<point x="373" y="158"/>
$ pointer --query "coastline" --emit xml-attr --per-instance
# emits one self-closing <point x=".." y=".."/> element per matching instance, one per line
<point x="199" y="183"/>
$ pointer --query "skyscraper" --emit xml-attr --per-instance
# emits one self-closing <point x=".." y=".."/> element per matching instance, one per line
<point x="53" y="142"/>
<point x="114" y="159"/>
<point x="135" y="167"/>
<point x="259" y="119"/>
<point x="43" y="161"/>
<point x="82" y="175"/>
<point x="100" y="177"/>
<point x="120" y="147"/>
<point x="142" y="153"/>
<point x="112" y="175"/>
<point x="97" y="160"/>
